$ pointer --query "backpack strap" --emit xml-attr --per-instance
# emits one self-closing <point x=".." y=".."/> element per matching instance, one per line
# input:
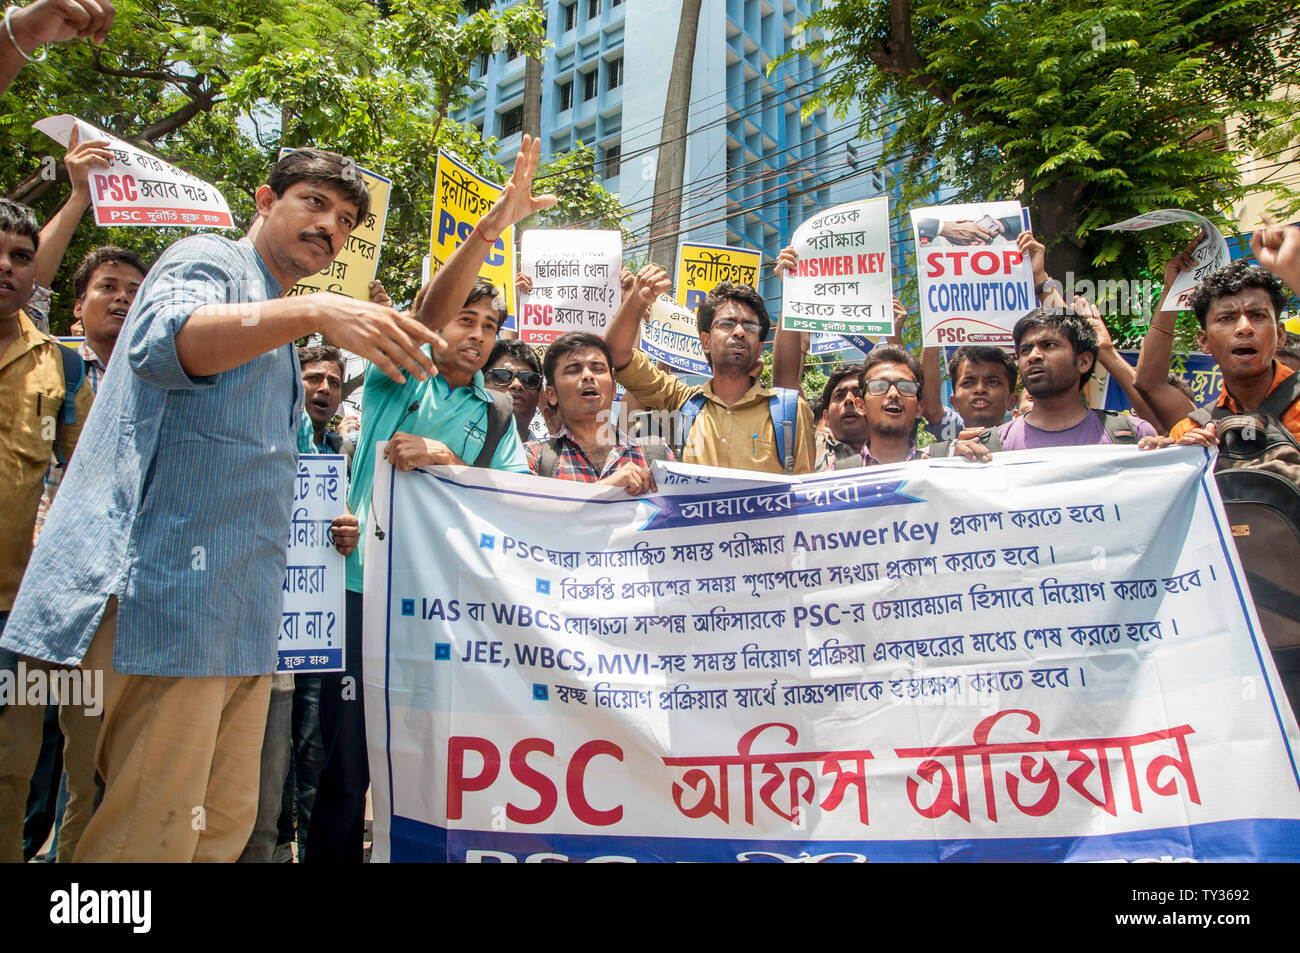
<point x="990" y="438"/>
<point x="686" y="415"/>
<point x="1281" y="397"/>
<point x="1201" y="415"/>
<point x="74" y="375"/>
<point x="653" y="450"/>
<point x="1120" y="429"/>
<point x="500" y="416"/>
<point x="548" y="458"/>
<point x="783" y="407"/>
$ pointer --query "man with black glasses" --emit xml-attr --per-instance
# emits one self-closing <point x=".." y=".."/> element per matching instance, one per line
<point x="732" y="420"/>
<point x="891" y="385"/>
<point x="513" y="369"/>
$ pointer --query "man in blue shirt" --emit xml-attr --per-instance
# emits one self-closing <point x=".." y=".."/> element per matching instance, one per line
<point x="447" y="420"/>
<point x="162" y="561"/>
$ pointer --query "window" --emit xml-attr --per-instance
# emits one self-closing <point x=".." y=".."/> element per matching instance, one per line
<point x="613" y="159"/>
<point x="589" y="85"/>
<point x="593" y="9"/>
<point x="483" y="62"/>
<point x="512" y="121"/>
<point x="614" y="74"/>
<point x="570" y="16"/>
<point x="615" y="3"/>
<point x="511" y="52"/>
<point x="566" y="95"/>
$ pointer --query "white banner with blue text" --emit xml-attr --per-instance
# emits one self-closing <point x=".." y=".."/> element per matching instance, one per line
<point x="1050" y="657"/>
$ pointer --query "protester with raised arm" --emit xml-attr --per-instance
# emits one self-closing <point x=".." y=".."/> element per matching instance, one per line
<point x="732" y="420"/>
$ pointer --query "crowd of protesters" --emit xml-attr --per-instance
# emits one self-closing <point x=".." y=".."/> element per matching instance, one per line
<point x="184" y="441"/>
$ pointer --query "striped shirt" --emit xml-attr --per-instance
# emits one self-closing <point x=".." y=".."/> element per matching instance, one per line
<point x="178" y="499"/>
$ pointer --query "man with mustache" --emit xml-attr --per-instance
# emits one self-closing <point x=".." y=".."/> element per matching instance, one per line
<point x="162" y="563"/>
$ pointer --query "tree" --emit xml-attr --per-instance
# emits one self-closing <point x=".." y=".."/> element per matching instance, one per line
<point x="671" y="166"/>
<point x="1087" y="111"/>
<point x="218" y="87"/>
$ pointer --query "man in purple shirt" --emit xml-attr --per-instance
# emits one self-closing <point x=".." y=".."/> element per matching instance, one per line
<point x="1056" y="349"/>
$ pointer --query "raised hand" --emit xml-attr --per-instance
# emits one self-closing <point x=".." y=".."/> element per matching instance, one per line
<point x="516" y="201"/>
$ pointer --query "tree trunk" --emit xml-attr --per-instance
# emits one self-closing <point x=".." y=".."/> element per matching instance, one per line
<point x="533" y="91"/>
<point x="1055" y="211"/>
<point x="671" y="168"/>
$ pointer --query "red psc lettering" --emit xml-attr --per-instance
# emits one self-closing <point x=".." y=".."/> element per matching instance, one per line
<point x="965" y="262"/>
<point x="548" y="796"/>
<point x="117" y="188"/>
<point x="538" y="313"/>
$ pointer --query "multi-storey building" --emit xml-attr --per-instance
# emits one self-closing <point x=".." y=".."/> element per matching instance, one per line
<point x="755" y="166"/>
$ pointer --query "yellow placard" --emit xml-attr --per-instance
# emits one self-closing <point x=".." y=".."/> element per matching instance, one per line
<point x="701" y="267"/>
<point x="460" y="198"/>
<point x="356" y="265"/>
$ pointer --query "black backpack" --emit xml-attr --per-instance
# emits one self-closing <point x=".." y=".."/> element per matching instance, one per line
<point x="1258" y="474"/>
<point x="1116" y="424"/>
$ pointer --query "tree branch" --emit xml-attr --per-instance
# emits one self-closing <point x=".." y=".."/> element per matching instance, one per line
<point x="170" y="123"/>
<point x="899" y="57"/>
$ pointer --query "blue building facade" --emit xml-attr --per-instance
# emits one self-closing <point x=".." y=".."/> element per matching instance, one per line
<point x="756" y="167"/>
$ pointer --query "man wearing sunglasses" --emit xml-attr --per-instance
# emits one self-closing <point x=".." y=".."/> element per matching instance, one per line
<point x="890" y="386"/>
<point x="513" y="370"/>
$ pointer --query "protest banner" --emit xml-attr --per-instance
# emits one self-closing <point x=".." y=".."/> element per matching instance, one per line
<point x="357" y="263"/>
<point x="702" y="267"/>
<point x="138" y="188"/>
<point x="1050" y="657"/>
<point x="843" y="282"/>
<point x="1211" y="252"/>
<point x="670" y="334"/>
<point x="972" y="291"/>
<point x="460" y="198"/>
<point x="575" y="281"/>
<point x="311" y="629"/>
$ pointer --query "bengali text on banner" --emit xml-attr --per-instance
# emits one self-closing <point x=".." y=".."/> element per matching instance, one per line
<point x="1042" y="658"/>
<point x="140" y="189"/>
<point x="311" y="628"/>
<point x="701" y="268"/>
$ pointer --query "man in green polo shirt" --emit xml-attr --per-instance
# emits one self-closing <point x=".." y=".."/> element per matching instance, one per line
<point x="445" y="420"/>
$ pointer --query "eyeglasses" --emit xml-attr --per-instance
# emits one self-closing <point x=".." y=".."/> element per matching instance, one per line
<point x="879" y="387"/>
<point x="502" y="376"/>
<point x="727" y="325"/>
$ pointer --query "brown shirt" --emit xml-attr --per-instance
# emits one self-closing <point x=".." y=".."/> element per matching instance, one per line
<point x="31" y="400"/>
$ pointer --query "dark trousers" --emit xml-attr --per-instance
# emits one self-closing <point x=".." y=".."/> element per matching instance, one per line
<point x="43" y="802"/>
<point x="337" y="825"/>
<point x="305" y="767"/>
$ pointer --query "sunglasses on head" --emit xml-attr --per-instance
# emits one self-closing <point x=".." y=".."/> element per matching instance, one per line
<point x="879" y="387"/>
<point x="502" y="376"/>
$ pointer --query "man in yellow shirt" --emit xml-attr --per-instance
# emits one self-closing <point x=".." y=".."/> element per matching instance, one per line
<point x="735" y="418"/>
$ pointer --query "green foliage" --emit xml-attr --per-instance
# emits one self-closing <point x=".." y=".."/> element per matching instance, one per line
<point x="1088" y="111"/>
<point x="218" y="86"/>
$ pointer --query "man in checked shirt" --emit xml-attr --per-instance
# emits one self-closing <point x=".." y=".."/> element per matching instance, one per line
<point x="580" y="381"/>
